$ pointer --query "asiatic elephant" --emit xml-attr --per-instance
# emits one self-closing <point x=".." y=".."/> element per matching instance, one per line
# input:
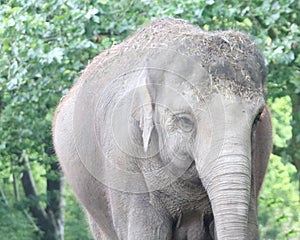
<point x="168" y="135"/>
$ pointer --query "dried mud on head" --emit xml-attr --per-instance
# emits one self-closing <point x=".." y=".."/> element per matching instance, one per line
<point x="232" y="59"/>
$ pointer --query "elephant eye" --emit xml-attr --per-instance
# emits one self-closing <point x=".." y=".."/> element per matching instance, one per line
<point x="185" y="122"/>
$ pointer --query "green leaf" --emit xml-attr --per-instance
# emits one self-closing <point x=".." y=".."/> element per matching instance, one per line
<point x="103" y="1"/>
<point x="11" y="22"/>
<point x="91" y="13"/>
<point x="56" y="53"/>
<point x="209" y="2"/>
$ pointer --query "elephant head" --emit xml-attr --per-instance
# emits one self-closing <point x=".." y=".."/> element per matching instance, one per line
<point x="216" y="119"/>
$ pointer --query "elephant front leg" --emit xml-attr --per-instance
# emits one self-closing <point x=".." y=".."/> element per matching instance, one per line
<point x="147" y="223"/>
<point x="136" y="217"/>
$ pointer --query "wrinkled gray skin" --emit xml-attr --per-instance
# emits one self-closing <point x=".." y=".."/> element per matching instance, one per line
<point x="168" y="136"/>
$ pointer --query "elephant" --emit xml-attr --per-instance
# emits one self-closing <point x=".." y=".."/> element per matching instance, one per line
<point x="168" y="135"/>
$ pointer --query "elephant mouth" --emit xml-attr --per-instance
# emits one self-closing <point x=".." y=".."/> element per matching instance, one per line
<point x="190" y="176"/>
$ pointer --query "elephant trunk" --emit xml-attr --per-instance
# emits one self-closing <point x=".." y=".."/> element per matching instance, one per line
<point x="227" y="180"/>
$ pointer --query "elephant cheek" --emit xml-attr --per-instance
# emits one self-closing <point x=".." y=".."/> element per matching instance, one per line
<point x="176" y="156"/>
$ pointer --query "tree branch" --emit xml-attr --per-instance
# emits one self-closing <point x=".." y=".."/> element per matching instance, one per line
<point x="3" y="197"/>
<point x="15" y="182"/>
<point x="278" y="150"/>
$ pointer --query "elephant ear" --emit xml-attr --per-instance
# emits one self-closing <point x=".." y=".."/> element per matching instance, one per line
<point x="142" y="109"/>
<point x="261" y="147"/>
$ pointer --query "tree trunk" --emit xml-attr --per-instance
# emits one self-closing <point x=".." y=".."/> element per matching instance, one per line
<point x="50" y="220"/>
<point x="294" y="148"/>
<point x="56" y="201"/>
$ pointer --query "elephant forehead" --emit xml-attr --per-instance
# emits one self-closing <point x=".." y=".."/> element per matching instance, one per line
<point x="200" y="91"/>
<point x="235" y="105"/>
<point x="188" y="75"/>
<point x="179" y="95"/>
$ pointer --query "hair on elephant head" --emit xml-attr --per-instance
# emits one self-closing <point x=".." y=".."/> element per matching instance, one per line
<point x="168" y="135"/>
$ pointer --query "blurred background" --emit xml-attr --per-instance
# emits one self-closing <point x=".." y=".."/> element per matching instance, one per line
<point x="45" y="44"/>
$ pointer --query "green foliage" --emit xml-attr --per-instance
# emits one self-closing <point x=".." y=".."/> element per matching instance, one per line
<point x="14" y="225"/>
<point x="45" y="44"/>
<point x="279" y="204"/>
<point x="282" y="116"/>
